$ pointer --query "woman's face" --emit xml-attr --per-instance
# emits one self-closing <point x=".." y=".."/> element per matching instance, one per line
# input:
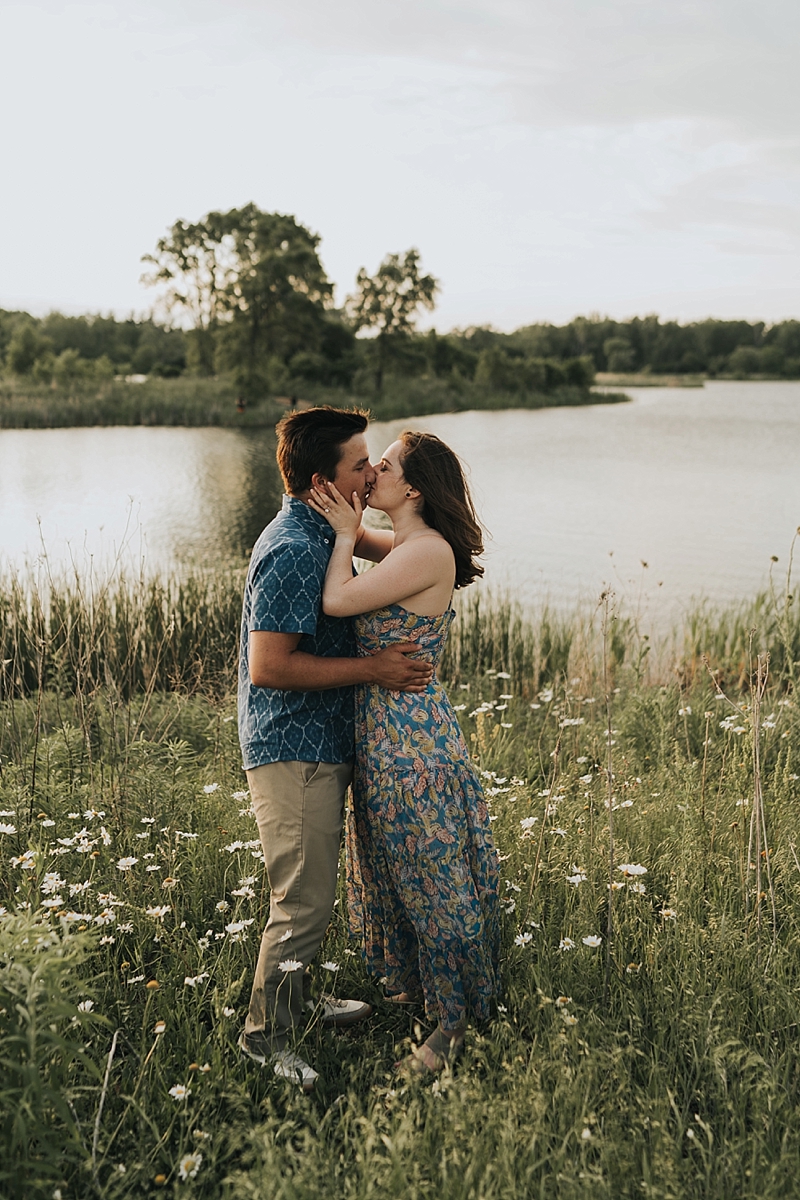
<point x="390" y="487"/>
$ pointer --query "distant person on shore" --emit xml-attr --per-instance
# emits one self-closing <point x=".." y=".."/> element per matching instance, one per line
<point x="422" y="870"/>
<point x="297" y="669"/>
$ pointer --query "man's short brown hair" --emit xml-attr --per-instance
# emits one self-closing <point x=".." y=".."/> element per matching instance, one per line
<point x="311" y="441"/>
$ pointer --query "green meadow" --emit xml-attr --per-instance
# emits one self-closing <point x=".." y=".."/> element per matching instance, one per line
<point x="645" y="806"/>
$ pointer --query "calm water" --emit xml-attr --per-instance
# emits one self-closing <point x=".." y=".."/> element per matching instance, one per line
<point x="702" y="485"/>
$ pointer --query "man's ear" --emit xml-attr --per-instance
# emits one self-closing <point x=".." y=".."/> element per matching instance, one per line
<point x="319" y="481"/>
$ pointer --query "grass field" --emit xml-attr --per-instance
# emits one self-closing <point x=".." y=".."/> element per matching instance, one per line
<point x="657" y="1062"/>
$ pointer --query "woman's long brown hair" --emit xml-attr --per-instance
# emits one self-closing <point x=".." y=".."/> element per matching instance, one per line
<point x="435" y="471"/>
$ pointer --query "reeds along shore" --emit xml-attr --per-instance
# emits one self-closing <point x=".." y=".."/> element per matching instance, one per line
<point x="644" y="803"/>
<point x="214" y="402"/>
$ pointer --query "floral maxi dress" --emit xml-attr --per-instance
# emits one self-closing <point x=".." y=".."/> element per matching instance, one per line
<point x="422" y="870"/>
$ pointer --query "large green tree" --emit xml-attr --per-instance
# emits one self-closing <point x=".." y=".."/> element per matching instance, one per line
<point x="276" y="299"/>
<point x="389" y="302"/>
<point x="251" y="288"/>
<point x="195" y="263"/>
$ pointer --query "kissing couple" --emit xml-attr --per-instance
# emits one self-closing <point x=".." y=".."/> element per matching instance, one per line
<point x="338" y="687"/>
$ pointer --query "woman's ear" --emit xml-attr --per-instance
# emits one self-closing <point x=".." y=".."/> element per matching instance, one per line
<point x="412" y="494"/>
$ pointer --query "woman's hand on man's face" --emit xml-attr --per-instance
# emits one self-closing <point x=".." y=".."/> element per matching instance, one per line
<point x="331" y="505"/>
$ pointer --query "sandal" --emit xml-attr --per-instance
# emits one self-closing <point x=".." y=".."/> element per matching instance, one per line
<point x="404" y="998"/>
<point x="435" y="1054"/>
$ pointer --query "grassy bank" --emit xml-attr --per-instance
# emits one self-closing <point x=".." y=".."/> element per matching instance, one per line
<point x="200" y="402"/>
<point x="659" y="1063"/>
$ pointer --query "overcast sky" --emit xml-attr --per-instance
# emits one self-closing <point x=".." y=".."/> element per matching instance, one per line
<point x="548" y="159"/>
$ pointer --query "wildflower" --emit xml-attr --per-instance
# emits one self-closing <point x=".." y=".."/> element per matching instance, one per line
<point x="522" y="939"/>
<point x="566" y="943"/>
<point x="559" y="832"/>
<point x="159" y="911"/>
<point x="179" y="1092"/>
<point x="586" y="1134"/>
<point x="107" y="940"/>
<point x="193" y="980"/>
<point x="528" y="822"/>
<point x="159" y="1028"/>
<point x="75" y="889"/>
<point x="330" y="966"/>
<point x="568" y="1018"/>
<point x="583" y="759"/>
<point x="125" y="927"/>
<point x="629" y="869"/>
<point x="4" y="828"/>
<point x="576" y="879"/>
<point x="686" y="711"/>
<point x="638" y="888"/>
<point x="563" y="1001"/>
<point x="571" y="721"/>
<point x="53" y="902"/>
<point x="135" y="979"/>
<point x="585" y="778"/>
<point x="246" y="893"/>
<point x="669" y="914"/>
<point x="26" y="861"/>
<point x="290" y="964"/>
<point x="86" y="1006"/>
<point x="106" y="917"/>
<point x="593" y="941"/>
<point x="189" y="1165"/>
<point x="169" y="881"/>
<point x="125" y="864"/>
<point x="222" y="906"/>
<point x="633" y="968"/>
<point x="238" y="926"/>
<point x="152" y="985"/>
<point x="240" y="795"/>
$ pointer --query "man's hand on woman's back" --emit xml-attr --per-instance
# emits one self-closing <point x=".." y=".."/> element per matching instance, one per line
<point x="395" y="671"/>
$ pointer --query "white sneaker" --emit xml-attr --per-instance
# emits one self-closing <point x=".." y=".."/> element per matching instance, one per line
<point x="288" y="1065"/>
<point x="340" y="1012"/>
<point x="285" y="1063"/>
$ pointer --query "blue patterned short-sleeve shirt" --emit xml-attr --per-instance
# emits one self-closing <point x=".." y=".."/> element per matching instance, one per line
<point x="283" y="594"/>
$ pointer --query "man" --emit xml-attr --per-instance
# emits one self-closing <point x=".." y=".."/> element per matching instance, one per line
<point x="297" y="668"/>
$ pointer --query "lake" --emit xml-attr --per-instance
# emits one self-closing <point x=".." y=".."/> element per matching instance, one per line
<point x="702" y="485"/>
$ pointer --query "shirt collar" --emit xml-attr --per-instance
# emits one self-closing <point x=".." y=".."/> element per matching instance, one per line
<point x="305" y="515"/>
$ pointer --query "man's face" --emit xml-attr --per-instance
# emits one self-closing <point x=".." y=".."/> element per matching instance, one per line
<point x="354" y="472"/>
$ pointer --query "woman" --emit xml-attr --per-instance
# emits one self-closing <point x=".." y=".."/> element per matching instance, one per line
<point x="421" y="866"/>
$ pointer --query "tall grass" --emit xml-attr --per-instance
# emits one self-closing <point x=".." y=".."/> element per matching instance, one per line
<point x="127" y="839"/>
<point x="185" y="401"/>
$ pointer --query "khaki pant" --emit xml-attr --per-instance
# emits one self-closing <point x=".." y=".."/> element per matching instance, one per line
<point x="299" y="808"/>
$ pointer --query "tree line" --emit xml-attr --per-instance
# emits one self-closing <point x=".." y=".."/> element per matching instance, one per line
<point x="244" y="294"/>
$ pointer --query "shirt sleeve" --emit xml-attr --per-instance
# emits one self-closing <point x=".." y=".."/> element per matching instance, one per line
<point x="286" y="591"/>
